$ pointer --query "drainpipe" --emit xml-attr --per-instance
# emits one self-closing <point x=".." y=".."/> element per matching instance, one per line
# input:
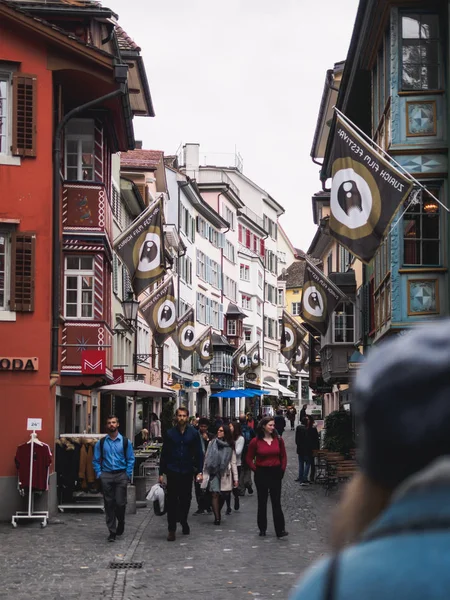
<point x="56" y="246"/>
<point x="180" y="185"/>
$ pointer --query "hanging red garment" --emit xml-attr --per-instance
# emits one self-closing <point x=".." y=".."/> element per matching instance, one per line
<point x="42" y="459"/>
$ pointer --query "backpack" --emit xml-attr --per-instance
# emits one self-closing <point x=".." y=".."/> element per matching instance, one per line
<point x="248" y="434"/>
<point x="125" y="446"/>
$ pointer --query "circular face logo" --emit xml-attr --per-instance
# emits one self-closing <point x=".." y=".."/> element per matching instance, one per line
<point x="255" y="358"/>
<point x="289" y="337"/>
<point x="314" y="302"/>
<point x="187" y="336"/>
<point x="355" y="200"/>
<point x="147" y="254"/>
<point x="205" y="349"/>
<point x="165" y="314"/>
<point x="299" y="355"/>
<point x="243" y="361"/>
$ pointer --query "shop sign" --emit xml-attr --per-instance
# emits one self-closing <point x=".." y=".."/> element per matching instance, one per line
<point x="19" y="364"/>
<point x="118" y="376"/>
<point x="93" y="362"/>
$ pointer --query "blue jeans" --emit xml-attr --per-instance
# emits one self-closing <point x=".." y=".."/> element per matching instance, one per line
<point x="304" y="462"/>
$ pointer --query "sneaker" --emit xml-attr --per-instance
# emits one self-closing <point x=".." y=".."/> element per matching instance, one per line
<point x="112" y="537"/>
<point x="304" y="484"/>
<point x="282" y="534"/>
<point x="171" y="536"/>
<point x="298" y="479"/>
<point x="228" y="511"/>
<point x="199" y="512"/>
<point x="120" y="527"/>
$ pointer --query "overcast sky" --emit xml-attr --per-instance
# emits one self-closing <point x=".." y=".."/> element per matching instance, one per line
<point x="242" y="73"/>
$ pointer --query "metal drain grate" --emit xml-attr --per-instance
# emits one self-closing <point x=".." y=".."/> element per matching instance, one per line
<point x="125" y="565"/>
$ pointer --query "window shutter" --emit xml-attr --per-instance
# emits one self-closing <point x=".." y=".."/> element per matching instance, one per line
<point x="24" y="114"/>
<point x="115" y="274"/>
<point x="240" y="233"/>
<point x="247" y="238"/>
<point x="262" y="249"/>
<point x="23" y="272"/>
<point x="142" y="187"/>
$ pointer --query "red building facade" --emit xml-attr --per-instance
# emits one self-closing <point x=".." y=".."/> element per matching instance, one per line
<point x="55" y="211"/>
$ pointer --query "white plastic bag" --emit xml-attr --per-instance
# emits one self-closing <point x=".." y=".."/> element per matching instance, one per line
<point x="157" y="496"/>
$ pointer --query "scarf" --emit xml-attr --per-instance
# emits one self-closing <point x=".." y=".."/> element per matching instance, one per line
<point x="217" y="458"/>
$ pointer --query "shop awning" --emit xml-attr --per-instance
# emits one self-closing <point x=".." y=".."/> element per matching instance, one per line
<point x="239" y="393"/>
<point x="280" y="388"/>
<point x="136" y="388"/>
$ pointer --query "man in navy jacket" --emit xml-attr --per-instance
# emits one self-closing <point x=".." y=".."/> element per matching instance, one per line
<point x="181" y="458"/>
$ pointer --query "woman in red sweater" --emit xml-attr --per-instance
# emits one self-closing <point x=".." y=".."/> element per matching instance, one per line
<point x="266" y="456"/>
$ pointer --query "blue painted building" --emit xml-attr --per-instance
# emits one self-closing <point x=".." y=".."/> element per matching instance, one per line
<point x="394" y="86"/>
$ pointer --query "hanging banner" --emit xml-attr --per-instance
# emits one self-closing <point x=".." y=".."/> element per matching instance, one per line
<point x="240" y="359"/>
<point x="254" y="357"/>
<point x="301" y="356"/>
<point x="160" y="312"/>
<point x="186" y="334"/>
<point x="319" y="298"/>
<point x="292" y="335"/>
<point x="366" y="192"/>
<point x="204" y="347"/>
<point x="141" y="248"/>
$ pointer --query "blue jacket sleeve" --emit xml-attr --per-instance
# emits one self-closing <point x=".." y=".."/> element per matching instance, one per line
<point x="312" y="584"/>
<point x="96" y="460"/>
<point x="130" y="459"/>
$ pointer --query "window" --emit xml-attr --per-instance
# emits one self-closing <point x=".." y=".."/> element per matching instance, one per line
<point x="222" y="363"/>
<point x="420" y="52"/>
<point x="185" y="269"/>
<point x="79" y="287"/>
<point x="271" y="227"/>
<point x="270" y="328"/>
<point x="343" y="324"/>
<point x="280" y="298"/>
<point x="260" y="280"/>
<point x="17" y="115"/>
<point x="231" y="327"/>
<point x="228" y="215"/>
<point x="201" y="265"/>
<point x="296" y="308"/>
<point x="281" y="257"/>
<point x="248" y="335"/>
<point x="421" y="232"/>
<point x="79" y="156"/>
<point x="245" y="272"/>
<point x="271" y="261"/>
<point x="246" y="301"/>
<point x="345" y="259"/>
<point x="116" y="204"/>
<point x="258" y="307"/>
<point x="230" y="288"/>
<point x="201" y="308"/>
<point x="187" y="224"/>
<point x="229" y="252"/>
<point x="5" y="269"/>
<point x="215" y="322"/>
<point x="270" y="293"/>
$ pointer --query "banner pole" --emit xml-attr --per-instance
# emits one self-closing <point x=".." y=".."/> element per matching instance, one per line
<point x="404" y="171"/>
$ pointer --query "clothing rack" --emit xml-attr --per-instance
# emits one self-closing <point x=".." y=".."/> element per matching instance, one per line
<point x="82" y="500"/>
<point x="31" y="513"/>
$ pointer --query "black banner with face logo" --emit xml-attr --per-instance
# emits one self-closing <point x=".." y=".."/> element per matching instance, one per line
<point x="160" y="312"/>
<point x="254" y="357"/>
<point x="204" y="347"/>
<point x="365" y="193"/>
<point x="300" y="357"/>
<point x="319" y="298"/>
<point x="240" y="359"/>
<point x="186" y="334"/>
<point x="141" y="248"/>
<point x="292" y="335"/>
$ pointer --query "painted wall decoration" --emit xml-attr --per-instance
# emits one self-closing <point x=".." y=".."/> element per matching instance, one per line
<point x="421" y="118"/>
<point x="423" y="297"/>
<point x="424" y="163"/>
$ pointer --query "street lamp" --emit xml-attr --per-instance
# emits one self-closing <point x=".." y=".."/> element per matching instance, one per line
<point x="130" y="310"/>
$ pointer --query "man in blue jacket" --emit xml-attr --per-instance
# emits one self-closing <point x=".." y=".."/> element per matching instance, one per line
<point x="113" y="464"/>
<point x="181" y="458"/>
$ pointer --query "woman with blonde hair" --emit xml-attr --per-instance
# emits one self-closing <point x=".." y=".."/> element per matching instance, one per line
<point x="392" y="531"/>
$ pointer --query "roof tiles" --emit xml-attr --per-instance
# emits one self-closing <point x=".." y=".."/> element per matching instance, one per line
<point x="142" y="159"/>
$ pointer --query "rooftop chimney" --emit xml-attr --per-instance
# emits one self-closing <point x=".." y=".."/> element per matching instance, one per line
<point x="192" y="159"/>
<point x="138" y="144"/>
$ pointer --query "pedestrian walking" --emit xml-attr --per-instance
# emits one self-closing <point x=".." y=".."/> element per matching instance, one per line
<point x="267" y="457"/>
<point x="113" y="463"/>
<point x="245" y="479"/>
<point x="280" y="422"/>
<point x="155" y="426"/>
<point x="306" y="440"/>
<point x="219" y="470"/>
<point x="391" y="533"/>
<point x="203" y="496"/>
<point x="181" y="458"/>
<point x="239" y="442"/>
<point x="291" y="413"/>
<point x="302" y="413"/>
<point x="315" y="442"/>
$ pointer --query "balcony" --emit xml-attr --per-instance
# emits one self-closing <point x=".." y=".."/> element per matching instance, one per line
<point x="252" y="216"/>
<point x="213" y="176"/>
<point x="85" y="207"/>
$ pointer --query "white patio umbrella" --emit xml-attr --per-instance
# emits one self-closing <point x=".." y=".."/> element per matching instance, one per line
<point x="138" y="389"/>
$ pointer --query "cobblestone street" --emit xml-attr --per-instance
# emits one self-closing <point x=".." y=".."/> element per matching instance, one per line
<point x="70" y="558"/>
